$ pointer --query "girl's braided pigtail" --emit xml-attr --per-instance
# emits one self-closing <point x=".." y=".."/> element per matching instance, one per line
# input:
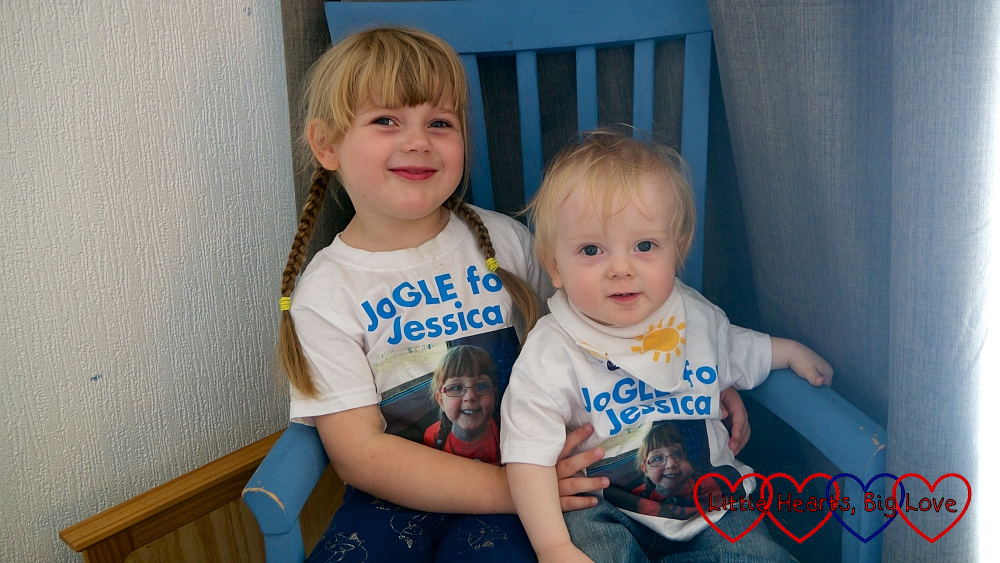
<point x="520" y="292"/>
<point x="442" y="437"/>
<point x="290" y="356"/>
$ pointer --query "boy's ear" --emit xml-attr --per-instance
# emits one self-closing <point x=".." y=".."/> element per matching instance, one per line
<point x="322" y="146"/>
<point x="553" y="269"/>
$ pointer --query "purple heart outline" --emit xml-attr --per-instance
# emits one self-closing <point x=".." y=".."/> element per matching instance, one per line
<point x="865" y="489"/>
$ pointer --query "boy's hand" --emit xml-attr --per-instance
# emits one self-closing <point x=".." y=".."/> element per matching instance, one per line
<point x="568" y="468"/>
<point x="734" y="416"/>
<point x="804" y="362"/>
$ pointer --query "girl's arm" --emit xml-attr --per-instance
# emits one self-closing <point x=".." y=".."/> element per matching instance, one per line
<point x="536" y="496"/>
<point x="804" y="362"/>
<point x="423" y="478"/>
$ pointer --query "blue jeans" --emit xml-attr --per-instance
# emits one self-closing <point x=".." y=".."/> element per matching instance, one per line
<point x="608" y="535"/>
<point x="369" y="529"/>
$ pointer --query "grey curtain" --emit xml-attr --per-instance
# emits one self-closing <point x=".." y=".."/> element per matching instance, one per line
<point x="862" y="140"/>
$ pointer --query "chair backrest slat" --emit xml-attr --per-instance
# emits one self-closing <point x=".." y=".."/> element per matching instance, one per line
<point x="586" y="88"/>
<point x="694" y="141"/>
<point x="642" y="87"/>
<point x="481" y="179"/>
<point x="531" y="121"/>
<point x="538" y="25"/>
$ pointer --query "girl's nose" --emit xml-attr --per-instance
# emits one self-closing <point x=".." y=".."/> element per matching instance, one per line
<point x="416" y="140"/>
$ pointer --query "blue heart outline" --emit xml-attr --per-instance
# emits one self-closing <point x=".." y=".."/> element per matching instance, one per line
<point x="865" y="489"/>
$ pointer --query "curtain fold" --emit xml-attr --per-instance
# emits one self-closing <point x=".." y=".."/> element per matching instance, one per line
<point x="862" y="136"/>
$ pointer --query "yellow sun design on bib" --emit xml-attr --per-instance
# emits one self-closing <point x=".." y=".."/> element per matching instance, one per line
<point x="662" y="339"/>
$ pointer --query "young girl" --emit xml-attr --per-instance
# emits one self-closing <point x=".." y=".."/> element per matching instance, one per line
<point x="414" y="269"/>
<point x="668" y="487"/>
<point x="465" y="390"/>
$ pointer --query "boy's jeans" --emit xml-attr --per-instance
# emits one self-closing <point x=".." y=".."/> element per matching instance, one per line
<point x="608" y="535"/>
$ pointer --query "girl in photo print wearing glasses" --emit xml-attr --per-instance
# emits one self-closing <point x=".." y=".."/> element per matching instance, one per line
<point x="668" y="487"/>
<point x="465" y="388"/>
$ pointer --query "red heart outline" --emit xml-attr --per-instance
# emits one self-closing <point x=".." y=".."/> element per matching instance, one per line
<point x="765" y="482"/>
<point x="799" y="488"/>
<point x="902" y="512"/>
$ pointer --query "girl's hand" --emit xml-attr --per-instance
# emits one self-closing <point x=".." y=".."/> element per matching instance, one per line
<point x="567" y="469"/>
<point x="804" y="362"/>
<point x="566" y="554"/>
<point x="734" y="416"/>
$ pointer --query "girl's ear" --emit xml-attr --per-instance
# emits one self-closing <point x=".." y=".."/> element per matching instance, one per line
<point x="322" y="146"/>
<point x="437" y="397"/>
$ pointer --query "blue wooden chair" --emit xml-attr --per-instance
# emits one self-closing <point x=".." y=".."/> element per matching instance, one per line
<point x="848" y="438"/>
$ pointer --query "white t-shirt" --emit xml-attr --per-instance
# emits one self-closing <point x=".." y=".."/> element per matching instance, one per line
<point x="624" y="381"/>
<point x="374" y="325"/>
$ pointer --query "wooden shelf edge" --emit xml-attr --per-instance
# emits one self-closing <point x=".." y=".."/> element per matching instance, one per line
<point x="171" y="497"/>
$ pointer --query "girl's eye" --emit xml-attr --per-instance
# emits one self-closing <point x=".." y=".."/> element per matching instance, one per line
<point x="590" y="250"/>
<point x="484" y="388"/>
<point x="383" y="121"/>
<point x="440" y="123"/>
<point x="644" y="246"/>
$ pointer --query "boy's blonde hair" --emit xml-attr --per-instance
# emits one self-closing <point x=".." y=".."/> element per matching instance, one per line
<point x="396" y="67"/>
<point x="610" y="167"/>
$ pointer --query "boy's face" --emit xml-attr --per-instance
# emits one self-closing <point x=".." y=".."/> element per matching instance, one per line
<point x="619" y="275"/>
<point x="674" y="472"/>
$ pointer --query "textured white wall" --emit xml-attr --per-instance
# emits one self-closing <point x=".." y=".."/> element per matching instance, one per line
<point x="147" y="208"/>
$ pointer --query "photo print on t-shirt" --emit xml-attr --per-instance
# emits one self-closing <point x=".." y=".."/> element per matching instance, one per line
<point x="658" y="477"/>
<point x="458" y="413"/>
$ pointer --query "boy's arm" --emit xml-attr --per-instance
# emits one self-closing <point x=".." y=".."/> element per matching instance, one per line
<point x="367" y="458"/>
<point x="804" y="362"/>
<point x="536" y="497"/>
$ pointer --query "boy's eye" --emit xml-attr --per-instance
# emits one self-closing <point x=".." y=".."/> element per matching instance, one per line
<point x="440" y="123"/>
<point x="644" y="246"/>
<point x="383" y="121"/>
<point x="590" y="250"/>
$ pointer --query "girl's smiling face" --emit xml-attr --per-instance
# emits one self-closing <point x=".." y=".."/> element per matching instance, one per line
<point x="674" y="472"/>
<point x="469" y="413"/>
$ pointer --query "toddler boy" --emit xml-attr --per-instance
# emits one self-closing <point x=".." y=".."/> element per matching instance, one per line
<point x="627" y="345"/>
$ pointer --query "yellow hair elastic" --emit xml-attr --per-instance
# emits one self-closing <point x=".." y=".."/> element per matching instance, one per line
<point x="285" y="303"/>
<point x="492" y="264"/>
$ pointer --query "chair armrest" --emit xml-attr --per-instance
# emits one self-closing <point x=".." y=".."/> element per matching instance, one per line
<point x="844" y="434"/>
<point x="113" y="534"/>
<point x="279" y="488"/>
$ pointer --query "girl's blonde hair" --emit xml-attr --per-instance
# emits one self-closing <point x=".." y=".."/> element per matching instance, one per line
<point x="610" y="167"/>
<point x="396" y="67"/>
<point x="462" y="361"/>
